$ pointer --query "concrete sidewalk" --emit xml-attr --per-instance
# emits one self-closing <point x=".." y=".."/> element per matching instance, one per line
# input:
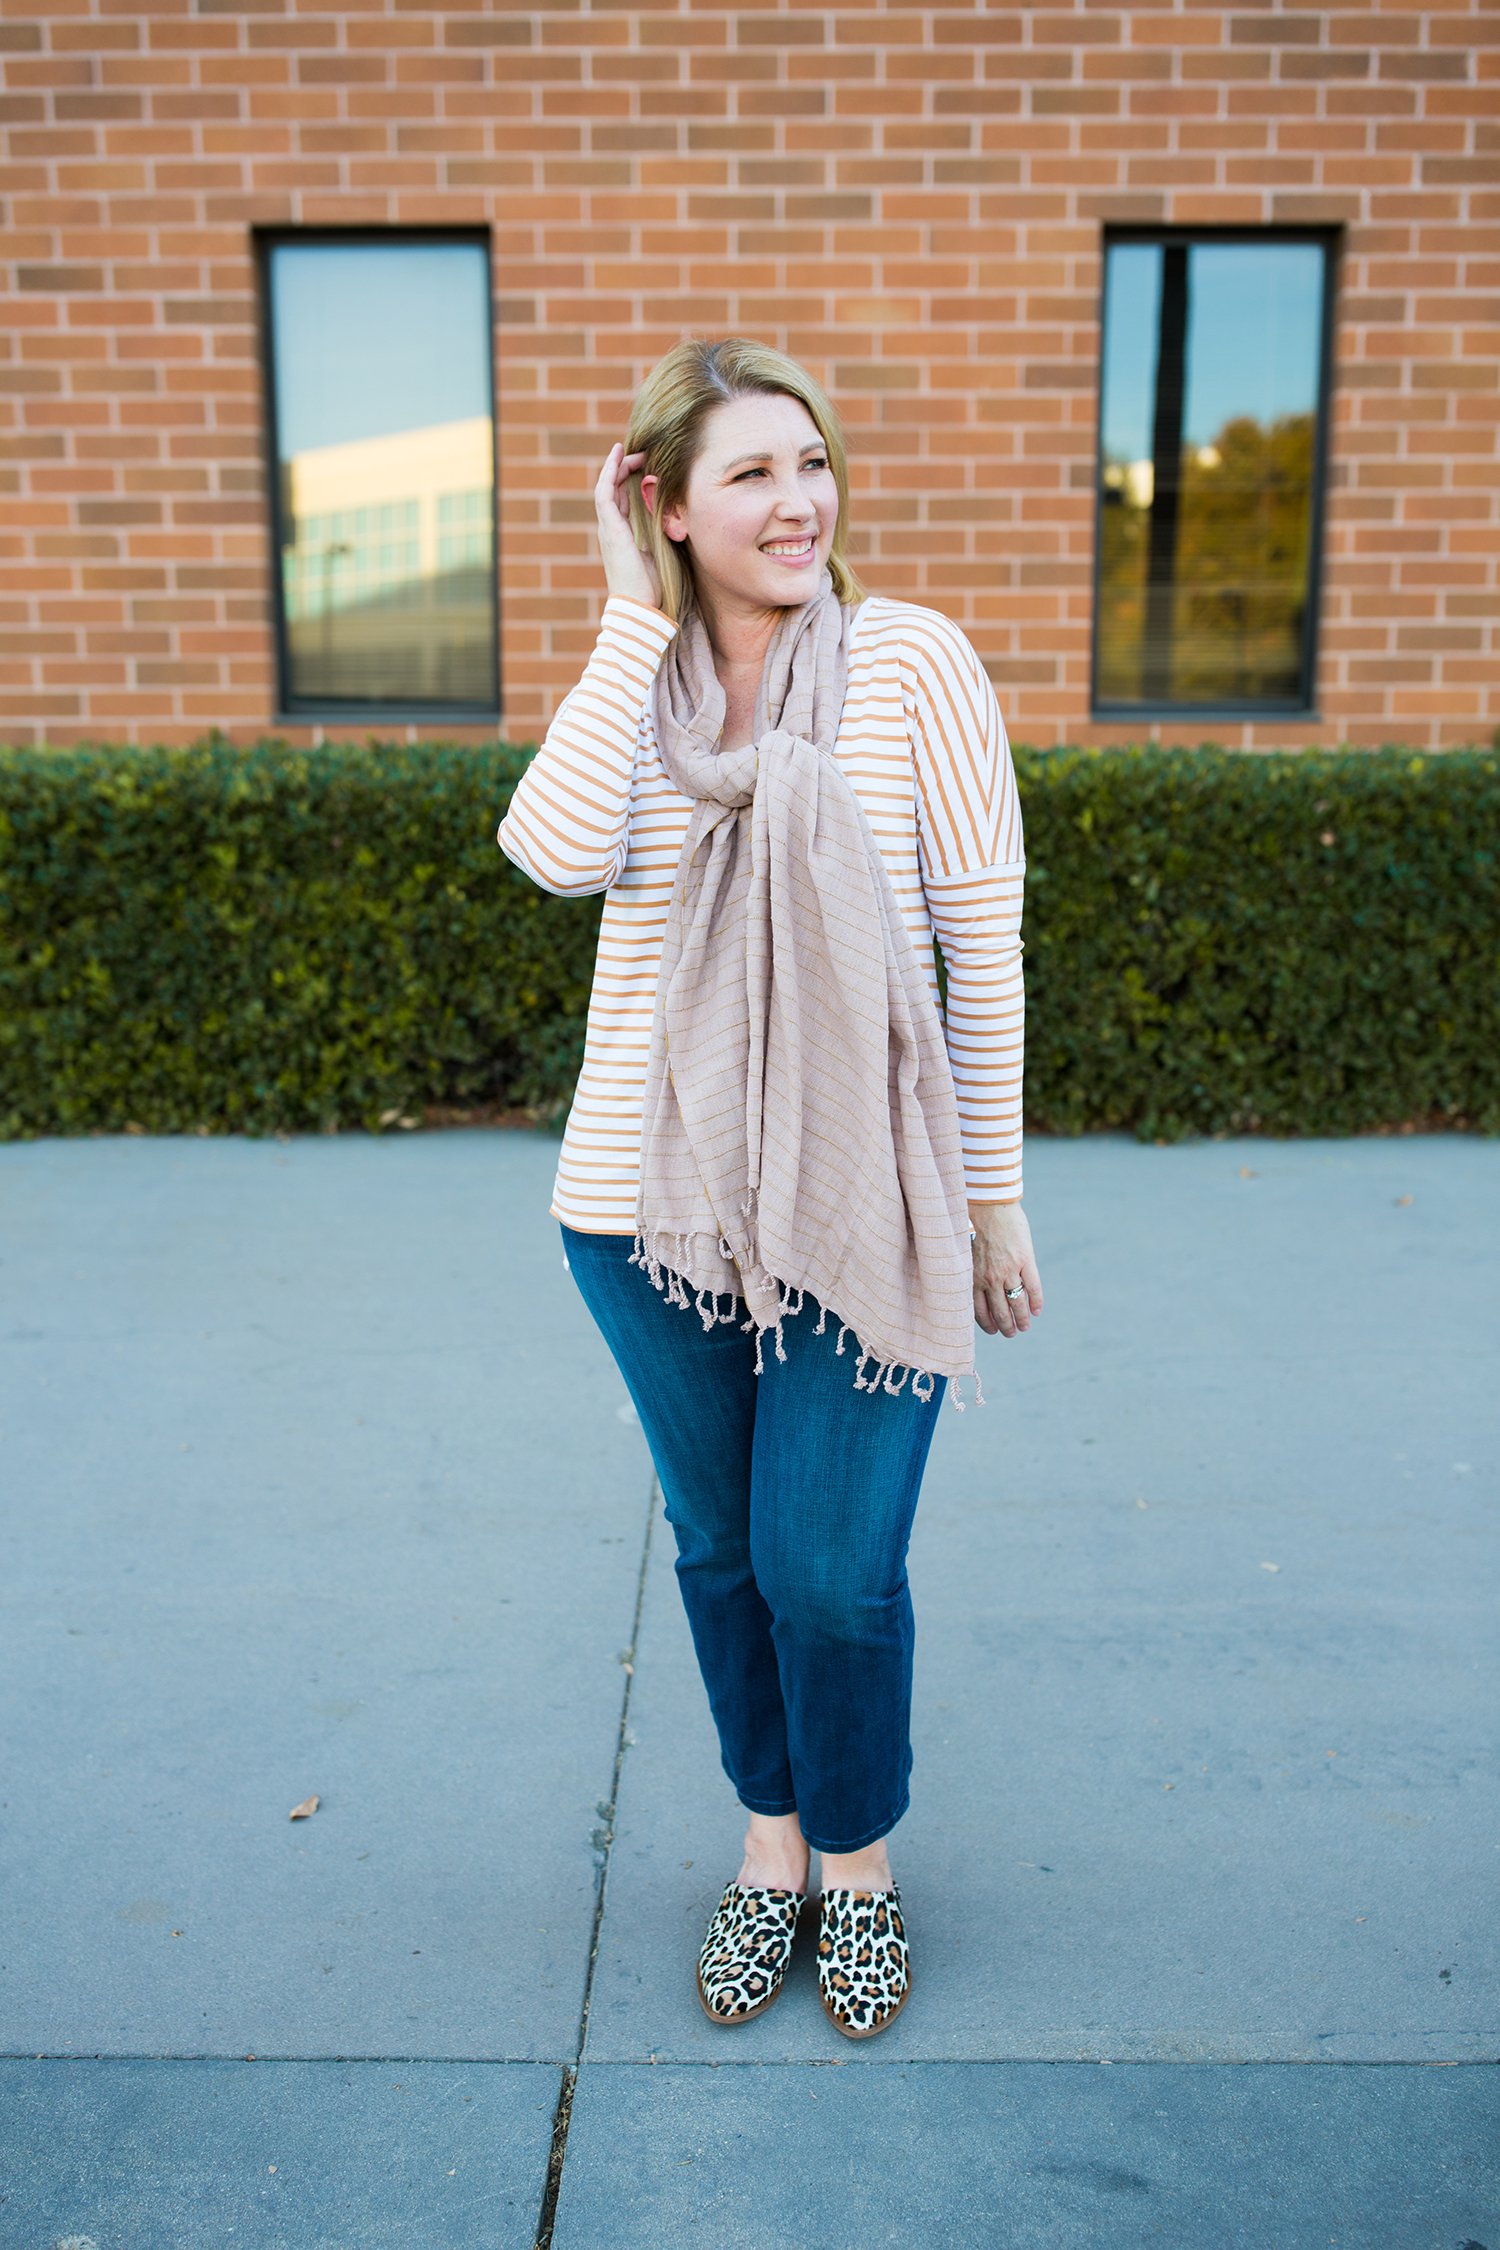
<point x="319" y="1479"/>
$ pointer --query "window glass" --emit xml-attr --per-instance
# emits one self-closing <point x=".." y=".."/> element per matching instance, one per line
<point x="1211" y="391"/>
<point x="383" y="404"/>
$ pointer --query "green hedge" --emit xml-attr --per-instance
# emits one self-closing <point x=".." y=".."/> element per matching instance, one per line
<point x="260" y="938"/>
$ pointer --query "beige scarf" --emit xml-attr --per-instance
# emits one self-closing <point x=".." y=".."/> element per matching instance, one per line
<point x="800" y="1127"/>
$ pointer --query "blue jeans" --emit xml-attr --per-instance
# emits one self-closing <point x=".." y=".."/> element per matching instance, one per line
<point x="791" y="1497"/>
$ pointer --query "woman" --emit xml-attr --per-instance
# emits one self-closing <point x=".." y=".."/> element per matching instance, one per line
<point x="785" y="787"/>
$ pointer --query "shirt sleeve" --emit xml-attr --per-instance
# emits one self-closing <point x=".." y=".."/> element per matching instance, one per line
<point x="567" y="825"/>
<point x="973" y="864"/>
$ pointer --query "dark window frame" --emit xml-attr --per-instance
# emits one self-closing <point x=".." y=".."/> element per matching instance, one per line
<point x="292" y="710"/>
<point x="1304" y="707"/>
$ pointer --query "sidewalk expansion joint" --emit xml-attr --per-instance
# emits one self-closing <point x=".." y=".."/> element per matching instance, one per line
<point x="605" y="1836"/>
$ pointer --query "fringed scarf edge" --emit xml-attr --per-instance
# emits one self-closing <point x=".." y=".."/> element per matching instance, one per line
<point x="671" y="1280"/>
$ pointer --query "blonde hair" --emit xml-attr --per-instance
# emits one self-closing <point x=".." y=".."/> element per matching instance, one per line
<point x="667" y="422"/>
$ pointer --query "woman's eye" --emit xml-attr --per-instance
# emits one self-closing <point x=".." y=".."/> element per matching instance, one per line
<point x="820" y="463"/>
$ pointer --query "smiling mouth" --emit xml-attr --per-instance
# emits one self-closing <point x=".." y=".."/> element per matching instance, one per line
<point x="789" y="546"/>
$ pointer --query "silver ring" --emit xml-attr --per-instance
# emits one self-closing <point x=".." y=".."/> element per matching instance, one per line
<point x="1015" y="1292"/>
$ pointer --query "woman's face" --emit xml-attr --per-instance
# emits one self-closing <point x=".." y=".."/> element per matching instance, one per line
<point x="761" y="505"/>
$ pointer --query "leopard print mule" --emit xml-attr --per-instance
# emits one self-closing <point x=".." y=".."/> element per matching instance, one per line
<point x="746" y="1950"/>
<point x="864" y="1962"/>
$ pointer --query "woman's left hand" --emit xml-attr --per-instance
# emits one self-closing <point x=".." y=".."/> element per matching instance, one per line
<point x="1003" y="1259"/>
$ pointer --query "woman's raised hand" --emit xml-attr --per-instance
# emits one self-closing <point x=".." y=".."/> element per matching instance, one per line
<point x="628" y="570"/>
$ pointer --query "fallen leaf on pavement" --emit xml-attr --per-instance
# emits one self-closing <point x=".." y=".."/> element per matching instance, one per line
<point x="308" y="1806"/>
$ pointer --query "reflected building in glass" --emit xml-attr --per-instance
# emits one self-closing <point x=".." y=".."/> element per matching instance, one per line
<point x="1211" y="420"/>
<point x="386" y="539"/>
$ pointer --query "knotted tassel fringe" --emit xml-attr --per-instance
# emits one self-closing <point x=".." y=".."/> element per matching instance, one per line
<point x="670" y="1278"/>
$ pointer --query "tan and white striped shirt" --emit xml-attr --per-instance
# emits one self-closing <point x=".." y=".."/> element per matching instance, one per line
<point x="924" y="748"/>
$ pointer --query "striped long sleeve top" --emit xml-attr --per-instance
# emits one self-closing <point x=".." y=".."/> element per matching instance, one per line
<point x="924" y="748"/>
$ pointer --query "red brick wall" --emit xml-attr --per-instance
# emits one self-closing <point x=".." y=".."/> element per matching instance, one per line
<point x="908" y="199"/>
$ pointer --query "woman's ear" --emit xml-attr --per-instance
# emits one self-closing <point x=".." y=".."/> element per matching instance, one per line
<point x="671" y="522"/>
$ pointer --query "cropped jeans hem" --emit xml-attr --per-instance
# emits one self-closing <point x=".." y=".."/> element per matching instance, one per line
<point x="858" y="1843"/>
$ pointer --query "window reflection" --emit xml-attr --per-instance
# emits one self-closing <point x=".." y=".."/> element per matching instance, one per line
<point x="1211" y="393"/>
<point x="385" y="441"/>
